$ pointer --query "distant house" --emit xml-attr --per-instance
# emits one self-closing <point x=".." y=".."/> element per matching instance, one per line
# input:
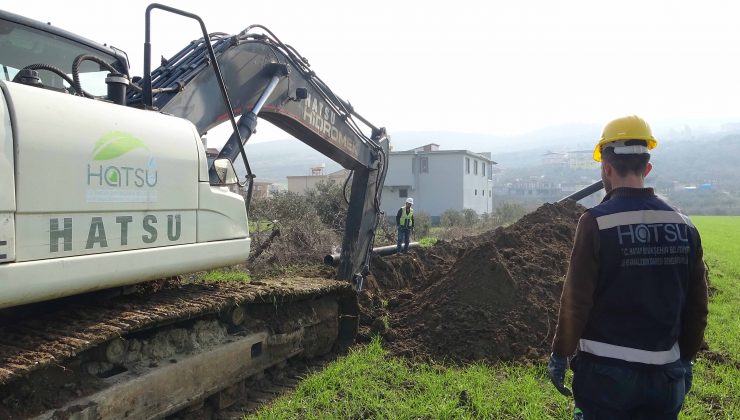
<point x="707" y="185"/>
<point x="542" y="189"/>
<point x="582" y="159"/>
<point x="301" y="184"/>
<point x="264" y="188"/>
<point x="534" y="187"/>
<point x="575" y="159"/>
<point x="438" y="180"/>
<point x="555" y="159"/>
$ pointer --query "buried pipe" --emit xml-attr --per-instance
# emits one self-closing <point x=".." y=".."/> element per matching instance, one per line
<point x="333" y="259"/>
<point x="585" y="192"/>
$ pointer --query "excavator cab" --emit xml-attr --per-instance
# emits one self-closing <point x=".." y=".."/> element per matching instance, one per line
<point x="48" y="59"/>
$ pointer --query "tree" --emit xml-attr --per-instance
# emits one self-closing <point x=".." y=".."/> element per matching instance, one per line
<point x="328" y="201"/>
<point x="508" y="212"/>
<point x="422" y="224"/>
<point x="470" y="217"/>
<point x="451" y="218"/>
<point x="303" y="236"/>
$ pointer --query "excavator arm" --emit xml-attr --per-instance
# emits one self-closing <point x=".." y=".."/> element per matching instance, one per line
<point x="256" y="75"/>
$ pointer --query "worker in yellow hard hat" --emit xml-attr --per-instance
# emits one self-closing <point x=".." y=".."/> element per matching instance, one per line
<point x="626" y="129"/>
<point x="630" y="140"/>
<point x="634" y="304"/>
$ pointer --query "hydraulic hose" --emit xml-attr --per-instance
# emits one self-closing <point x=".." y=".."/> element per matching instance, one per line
<point x="52" y="69"/>
<point x="76" y="71"/>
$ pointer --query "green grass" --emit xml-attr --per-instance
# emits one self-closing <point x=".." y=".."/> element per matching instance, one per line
<point x="224" y="275"/>
<point x="717" y="390"/>
<point x="436" y="230"/>
<point x="721" y="242"/>
<point x="260" y="225"/>
<point x="368" y="383"/>
<point x="427" y="241"/>
<point x="291" y="270"/>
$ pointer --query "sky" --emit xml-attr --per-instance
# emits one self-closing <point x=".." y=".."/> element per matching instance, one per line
<point x="492" y="67"/>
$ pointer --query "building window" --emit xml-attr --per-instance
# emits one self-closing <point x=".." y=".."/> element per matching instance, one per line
<point x="475" y="167"/>
<point x="483" y="169"/>
<point x="403" y="192"/>
<point x="425" y="165"/>
<point x="467" y="165"/>
<point x="476" y="192"/>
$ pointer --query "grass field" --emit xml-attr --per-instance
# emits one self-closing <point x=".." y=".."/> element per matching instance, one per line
<point x="717" y="378"/>
<point x="369" y="384"/>
<point x="224" y="275"/>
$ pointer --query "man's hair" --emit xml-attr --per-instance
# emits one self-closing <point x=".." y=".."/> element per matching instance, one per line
<point x="626" y="164"/>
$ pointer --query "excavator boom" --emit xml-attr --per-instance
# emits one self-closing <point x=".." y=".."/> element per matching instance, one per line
<point x="266" y="78"/>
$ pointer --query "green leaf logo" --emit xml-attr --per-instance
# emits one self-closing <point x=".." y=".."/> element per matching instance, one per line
<point x="116" y="143"/>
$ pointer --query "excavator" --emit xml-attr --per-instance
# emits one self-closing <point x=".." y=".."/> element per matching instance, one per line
<point x="105" y="183"/>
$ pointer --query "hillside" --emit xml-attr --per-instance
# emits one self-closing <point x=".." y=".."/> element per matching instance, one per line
<point x="685" y="158"/>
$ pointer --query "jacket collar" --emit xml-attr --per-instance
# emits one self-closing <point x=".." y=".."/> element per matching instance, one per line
<point x="629" y="192"/>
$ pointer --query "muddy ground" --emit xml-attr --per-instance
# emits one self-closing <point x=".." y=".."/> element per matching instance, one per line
<point x="493" y="297"/>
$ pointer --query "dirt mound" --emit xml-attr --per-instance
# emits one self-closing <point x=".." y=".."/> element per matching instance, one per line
<point x="491" y="297"/>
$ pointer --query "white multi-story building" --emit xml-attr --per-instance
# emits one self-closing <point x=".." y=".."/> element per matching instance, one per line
<point x="438" y="180"/>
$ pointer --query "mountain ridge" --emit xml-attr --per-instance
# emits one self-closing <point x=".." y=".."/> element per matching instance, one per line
<point x="277" y="159"/>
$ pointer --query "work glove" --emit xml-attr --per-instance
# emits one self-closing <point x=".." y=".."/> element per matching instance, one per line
<point x="556" y="371"/>
<point x="688" y="377"/>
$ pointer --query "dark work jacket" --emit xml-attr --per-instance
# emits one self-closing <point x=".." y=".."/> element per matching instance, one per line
<point x="647" y="250"/>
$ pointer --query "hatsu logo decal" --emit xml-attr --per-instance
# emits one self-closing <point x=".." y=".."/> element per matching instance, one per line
<point x="654" y="244"/>
<point x="650" y="233"/>
<point x="106" y="231"/>
<point x="323" y="119"/>
<point x="122" y="170"/>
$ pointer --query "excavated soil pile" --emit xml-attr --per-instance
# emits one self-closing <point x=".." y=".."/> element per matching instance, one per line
<point x="490" y="297"/>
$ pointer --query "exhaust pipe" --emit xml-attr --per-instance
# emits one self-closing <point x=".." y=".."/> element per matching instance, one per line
<point x="333" y="259"/>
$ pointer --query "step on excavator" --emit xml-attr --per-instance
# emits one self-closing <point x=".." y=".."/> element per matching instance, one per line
<point x="105" y="183"/>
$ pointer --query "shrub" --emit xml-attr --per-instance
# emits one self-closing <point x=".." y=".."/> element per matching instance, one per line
<point x="422" y="224"/>
<point x="328" y="201"/>
<point x="451" y="217"/>
<point x="508" y="212"/>
<point x="303" y="238"/>
<point x="470" y="217"/>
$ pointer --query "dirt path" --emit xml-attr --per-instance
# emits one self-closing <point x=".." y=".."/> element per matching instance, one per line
<point x="487" y="298"/>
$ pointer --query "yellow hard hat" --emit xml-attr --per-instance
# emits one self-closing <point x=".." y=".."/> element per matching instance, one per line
<point x="625" y="128"/>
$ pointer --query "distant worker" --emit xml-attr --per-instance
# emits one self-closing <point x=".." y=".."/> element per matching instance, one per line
<point x="634" y="302"/>
<point x="405" y="223"/>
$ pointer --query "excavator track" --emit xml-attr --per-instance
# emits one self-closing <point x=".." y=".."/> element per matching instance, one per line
<point x="151" y="355"/>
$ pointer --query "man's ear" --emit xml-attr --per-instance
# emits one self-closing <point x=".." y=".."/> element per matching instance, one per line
<point x="648" y="168"/>
<point x="607" y="168"/>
